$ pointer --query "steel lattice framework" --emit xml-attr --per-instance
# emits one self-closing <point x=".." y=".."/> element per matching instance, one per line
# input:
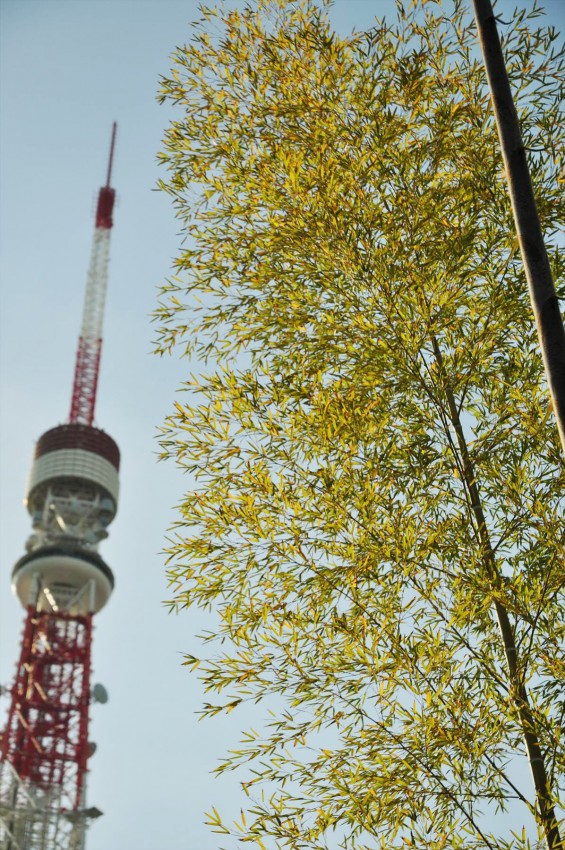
<point x="90" y="342"/>
<point x="46" y="737"/>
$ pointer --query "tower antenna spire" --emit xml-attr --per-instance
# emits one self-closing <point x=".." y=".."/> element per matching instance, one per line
<point x="111" y="157"/>
<point x="83" y="399"/>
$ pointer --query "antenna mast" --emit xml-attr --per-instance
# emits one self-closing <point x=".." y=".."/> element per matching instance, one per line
<point x="89" y="349"/>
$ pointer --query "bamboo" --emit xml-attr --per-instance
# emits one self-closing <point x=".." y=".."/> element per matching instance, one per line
<point x="518" y="693"/>
<point x="543" y="296"/>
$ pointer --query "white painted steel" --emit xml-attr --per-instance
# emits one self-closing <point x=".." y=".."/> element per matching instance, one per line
<point x="74" y="463"/>
<point x="32" y="818"/>
<point x="68" y="570"/>
<point x="96" y="284"/>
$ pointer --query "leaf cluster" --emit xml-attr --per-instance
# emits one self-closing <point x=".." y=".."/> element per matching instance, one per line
<point x="351" y="278"/>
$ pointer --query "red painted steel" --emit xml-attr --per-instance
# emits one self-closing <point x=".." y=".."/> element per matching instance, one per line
<point x="46" y="736"/>
<point x="78" y="436"/>
<point x="83" y="399"/>
<point x="106" y="198"/>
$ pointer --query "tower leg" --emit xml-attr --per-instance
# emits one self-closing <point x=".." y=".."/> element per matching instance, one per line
<point x="45" y="744"/>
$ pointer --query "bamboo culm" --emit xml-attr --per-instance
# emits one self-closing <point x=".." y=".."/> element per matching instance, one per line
<point x="543" y="295"/>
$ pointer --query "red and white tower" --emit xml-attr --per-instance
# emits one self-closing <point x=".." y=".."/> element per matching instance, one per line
<point x="62" y="581"/>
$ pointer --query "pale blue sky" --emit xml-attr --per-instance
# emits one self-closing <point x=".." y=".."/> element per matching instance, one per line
<point x="68" y="69"/>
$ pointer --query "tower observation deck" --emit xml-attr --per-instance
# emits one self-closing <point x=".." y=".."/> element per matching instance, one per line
<point x="62" y="582"/>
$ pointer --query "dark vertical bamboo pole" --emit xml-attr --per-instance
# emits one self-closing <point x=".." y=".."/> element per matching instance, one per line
<point x="534" y="255"/>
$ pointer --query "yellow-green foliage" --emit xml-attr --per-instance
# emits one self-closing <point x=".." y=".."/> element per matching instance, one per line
<point x="351" y="278"/>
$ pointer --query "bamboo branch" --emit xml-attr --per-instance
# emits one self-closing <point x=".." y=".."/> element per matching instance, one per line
<point x="518" y="693"/>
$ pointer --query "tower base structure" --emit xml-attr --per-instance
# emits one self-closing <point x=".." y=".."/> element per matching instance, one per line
<point x="45" y="749"/>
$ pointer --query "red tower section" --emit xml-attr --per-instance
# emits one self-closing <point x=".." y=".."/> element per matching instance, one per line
<point x="62" y="581"/>
<point x="90" y="342"/>
<point x="46" y="738"/>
